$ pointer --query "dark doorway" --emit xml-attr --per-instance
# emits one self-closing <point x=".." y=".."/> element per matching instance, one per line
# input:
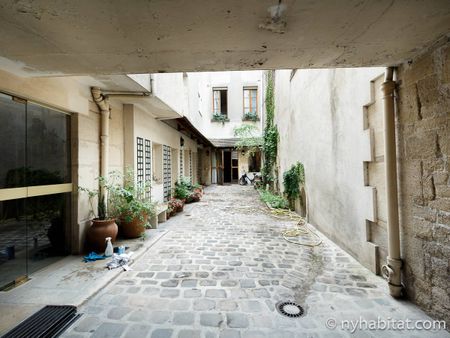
<point x="227" y="166"/>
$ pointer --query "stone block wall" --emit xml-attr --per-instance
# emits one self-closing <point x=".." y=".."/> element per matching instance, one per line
<point x="423" y="151"/>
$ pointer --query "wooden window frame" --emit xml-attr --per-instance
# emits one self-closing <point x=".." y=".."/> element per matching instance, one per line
<point x="250" y="88"/>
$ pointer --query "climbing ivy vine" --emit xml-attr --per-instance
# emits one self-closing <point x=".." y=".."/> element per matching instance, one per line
<point x="292" y="180"/>
<point x="270" y="137"/>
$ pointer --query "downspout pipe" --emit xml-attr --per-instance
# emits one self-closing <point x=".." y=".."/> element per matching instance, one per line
<point x="392" y="270"/>
<point x="102" y="102"/>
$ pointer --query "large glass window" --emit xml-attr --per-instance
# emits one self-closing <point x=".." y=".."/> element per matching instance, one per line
<point x="48" y="146"/>
<point x="35" y="176"/>
<point x="12" y="142"/>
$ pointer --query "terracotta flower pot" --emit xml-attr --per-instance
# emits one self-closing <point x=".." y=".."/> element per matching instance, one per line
<point x="135" y="228"/>
<point x="97" y="233"/>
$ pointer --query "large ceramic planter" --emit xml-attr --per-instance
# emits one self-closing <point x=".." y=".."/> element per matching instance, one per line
<point x="135" y="228"/>
<point x="97" y="233"/>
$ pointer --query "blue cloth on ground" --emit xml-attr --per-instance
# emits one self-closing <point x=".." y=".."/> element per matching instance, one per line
<point x="93" y="257"/>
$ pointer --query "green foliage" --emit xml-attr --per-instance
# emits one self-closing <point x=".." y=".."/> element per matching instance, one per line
<point x="249" y="141"/>
<point x="275" y="201"/>
<point x="218" y="117"/>
<point x="101" y="208"/>
<point x="250" y="116"/>
<point x="292" y="179"/>
<point x="181" y="192"/>
<point x="186" y="190"/>
<point x="270" y="137"/>
<point x="102" y="212"/>
<point x="128" y="201"/>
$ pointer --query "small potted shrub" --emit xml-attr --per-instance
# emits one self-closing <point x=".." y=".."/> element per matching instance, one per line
<point x="103" y="225"/>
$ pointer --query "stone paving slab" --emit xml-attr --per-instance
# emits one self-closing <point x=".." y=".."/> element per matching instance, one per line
<point x="69" y="281"/>
<point x="221" y="269"/>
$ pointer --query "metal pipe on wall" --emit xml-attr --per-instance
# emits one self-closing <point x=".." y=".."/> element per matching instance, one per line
<point x="392" y="270"/>
<point x="102" y="102"/>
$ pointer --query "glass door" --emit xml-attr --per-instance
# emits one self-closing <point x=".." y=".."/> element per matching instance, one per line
<point x="13" y="229"/>
<point x="35" y="186"/>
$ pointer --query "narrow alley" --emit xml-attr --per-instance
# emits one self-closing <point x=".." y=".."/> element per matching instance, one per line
<point x="221" y="268"/>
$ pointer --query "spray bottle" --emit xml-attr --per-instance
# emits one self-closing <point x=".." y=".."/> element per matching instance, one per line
<point x="109" y="247"/>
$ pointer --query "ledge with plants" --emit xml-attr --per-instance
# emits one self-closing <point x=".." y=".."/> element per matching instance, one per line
<point x="218" y="117"/>
<point x="250" y="116"/>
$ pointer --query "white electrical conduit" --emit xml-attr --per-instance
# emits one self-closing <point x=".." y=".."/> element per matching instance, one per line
<point x="392" y="270"/>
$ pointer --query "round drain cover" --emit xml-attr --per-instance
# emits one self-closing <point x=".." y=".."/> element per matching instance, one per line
<point x="290" y="309"/>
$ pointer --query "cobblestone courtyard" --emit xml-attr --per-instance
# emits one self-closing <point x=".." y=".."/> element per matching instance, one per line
<point x="220" y="269"/>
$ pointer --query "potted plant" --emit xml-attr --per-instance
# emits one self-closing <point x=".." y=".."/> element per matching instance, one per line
<point x="183" y="188"/>
<point x="194" y="197"/>
<point x="102" y="226"/>
<point x="131" y="206"/>
<point x="176" y="205"/>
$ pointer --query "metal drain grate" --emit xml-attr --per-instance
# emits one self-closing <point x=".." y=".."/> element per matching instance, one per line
<point x="49" y="321"/>
<point x="290" y="309"/>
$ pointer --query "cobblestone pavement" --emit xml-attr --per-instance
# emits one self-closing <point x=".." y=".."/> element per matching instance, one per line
<point x="221" y="268"/>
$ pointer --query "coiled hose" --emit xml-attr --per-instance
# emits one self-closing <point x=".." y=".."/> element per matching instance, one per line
<point x="300" y="230"/>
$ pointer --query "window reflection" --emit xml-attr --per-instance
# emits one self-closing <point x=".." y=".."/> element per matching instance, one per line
<point x="48" y="146"/>
<point x="12" y="142"/>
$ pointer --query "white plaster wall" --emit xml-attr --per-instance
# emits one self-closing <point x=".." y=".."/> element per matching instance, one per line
<point x="171" y="89"/>
<point x="201" y="100"/>
<point x="190" y="94"/>
<point x="319" y="114"/>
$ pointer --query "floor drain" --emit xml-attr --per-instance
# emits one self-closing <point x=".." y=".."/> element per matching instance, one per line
<point x="290" y="309"/>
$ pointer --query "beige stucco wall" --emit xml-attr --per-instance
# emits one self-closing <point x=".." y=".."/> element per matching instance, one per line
<point x="423" y="152"/>
<point x="63" y="93"/>
<point x="319" y="114"/>
<point x="87" y="166"/>
<point x="158" y="132"/>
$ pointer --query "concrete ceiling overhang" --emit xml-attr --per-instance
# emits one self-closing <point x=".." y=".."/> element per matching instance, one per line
<point x="85" y="37"/>
<point x="124" y="89"/>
